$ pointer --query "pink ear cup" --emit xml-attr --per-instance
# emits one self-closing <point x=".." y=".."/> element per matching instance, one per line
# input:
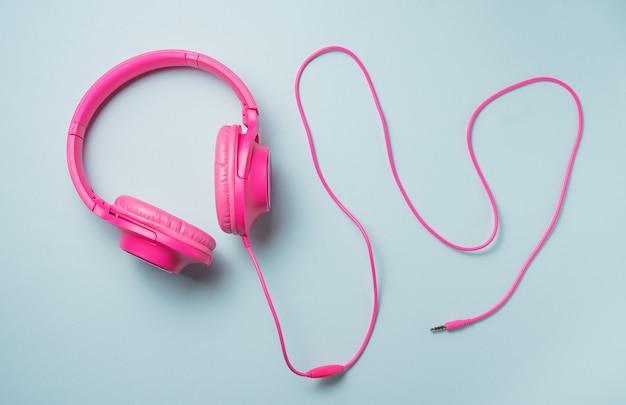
<point x="253" y="194"/>
<point x="224" y="177"/>
<point x="152" y="216"/>
<point x="240" y="201"/>
<point x="160" y="238"/>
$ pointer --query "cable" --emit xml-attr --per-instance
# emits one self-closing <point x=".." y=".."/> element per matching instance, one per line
<point x="464" y="322"/>
<point x="327" y="187"/>
<point x="331" y="369"/>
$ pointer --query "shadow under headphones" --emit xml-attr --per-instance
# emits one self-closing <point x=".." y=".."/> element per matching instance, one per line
<point x="242" y="171"/>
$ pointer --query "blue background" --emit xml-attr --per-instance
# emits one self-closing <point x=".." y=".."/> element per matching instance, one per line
<point x="83" y="322"/>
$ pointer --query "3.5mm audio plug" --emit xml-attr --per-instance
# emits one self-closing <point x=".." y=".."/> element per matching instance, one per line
<point x="451" y="325"/>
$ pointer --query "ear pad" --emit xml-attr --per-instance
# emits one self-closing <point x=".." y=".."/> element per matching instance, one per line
<point x="225" y="159"/>
<point x="173" y="226"/>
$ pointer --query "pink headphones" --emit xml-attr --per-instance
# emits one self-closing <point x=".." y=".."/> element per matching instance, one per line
<point x="242" y="171"/>
<point x="242" y="187"/>
<point x="242" y="184"/>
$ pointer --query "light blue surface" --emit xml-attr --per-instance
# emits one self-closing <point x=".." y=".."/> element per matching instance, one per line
<point x="83" y="322"/>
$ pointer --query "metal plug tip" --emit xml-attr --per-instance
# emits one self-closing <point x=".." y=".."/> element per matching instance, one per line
<point x="438" y="328"/>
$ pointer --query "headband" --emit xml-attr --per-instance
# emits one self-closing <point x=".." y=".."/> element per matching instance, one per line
<point x="123" y="73"/>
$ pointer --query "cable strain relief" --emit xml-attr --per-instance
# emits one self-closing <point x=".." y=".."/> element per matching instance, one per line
<point x="325" y="371"/>
<point x="457" y="324"/>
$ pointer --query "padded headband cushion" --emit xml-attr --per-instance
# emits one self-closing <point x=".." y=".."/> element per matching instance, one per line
<point x="224" y="183"/>
<point x="153" y="216"/>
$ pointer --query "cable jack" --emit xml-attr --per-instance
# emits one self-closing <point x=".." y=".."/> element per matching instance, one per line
<point x="452" y="325"/>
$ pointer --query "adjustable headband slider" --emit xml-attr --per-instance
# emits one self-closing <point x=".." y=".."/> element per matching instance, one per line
<point x="77" y="129"/>
<point x="249" y="116"/>
<point x="247" y="140"/>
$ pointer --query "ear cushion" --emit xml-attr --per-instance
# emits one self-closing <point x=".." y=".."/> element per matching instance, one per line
<point x="152" y="216"/>
<point x="224" y="181"/>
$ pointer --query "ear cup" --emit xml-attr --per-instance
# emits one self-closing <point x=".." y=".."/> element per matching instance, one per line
<point x="225" y="159"/>
<point x="154" y="217"/>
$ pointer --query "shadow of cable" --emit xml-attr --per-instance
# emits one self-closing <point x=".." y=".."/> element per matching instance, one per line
<point x="332" y="381"/>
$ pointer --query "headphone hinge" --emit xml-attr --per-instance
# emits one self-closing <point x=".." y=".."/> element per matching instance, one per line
<point x="249" y="116"/>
